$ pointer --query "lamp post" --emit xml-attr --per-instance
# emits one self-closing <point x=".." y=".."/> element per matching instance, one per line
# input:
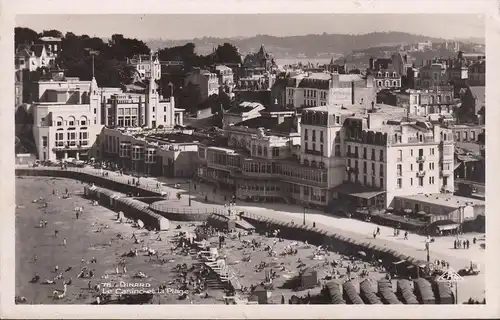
<point x="304" y="221"/>
<point x="189" y="193"/>
<point x="427" y="245"/>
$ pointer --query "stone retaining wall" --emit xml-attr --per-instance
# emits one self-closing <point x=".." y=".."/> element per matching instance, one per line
<point x="341" y="244"/>
<point x="131" y="208"/>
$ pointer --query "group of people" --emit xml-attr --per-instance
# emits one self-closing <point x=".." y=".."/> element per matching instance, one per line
<point x="461" y="244"/>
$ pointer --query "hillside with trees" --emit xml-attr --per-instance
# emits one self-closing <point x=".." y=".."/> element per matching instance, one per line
<point x="111" y="69"/>
<point x="310" y="46"/>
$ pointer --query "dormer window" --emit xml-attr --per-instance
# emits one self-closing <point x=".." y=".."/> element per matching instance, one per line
<point x="379" y="74"/>
<point x="387" y="74"/>
<point x="394" y="74"/>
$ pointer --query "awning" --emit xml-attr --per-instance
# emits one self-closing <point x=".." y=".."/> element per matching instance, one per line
<point x="448" y="227"/>
<point x="357" y="191"/>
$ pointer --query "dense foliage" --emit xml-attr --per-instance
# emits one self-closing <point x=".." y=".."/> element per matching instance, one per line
<point x="111" y="69"/>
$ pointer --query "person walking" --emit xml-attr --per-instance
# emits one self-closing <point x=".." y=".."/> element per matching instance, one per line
<point x="406" y="235"/>
<point x="467" y="243"/>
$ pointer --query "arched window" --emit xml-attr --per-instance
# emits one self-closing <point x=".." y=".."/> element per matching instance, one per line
<point x="83" y="121"/>
<point x="394" y="84"/>
<point x="59" y="121"/>
<point x="71" y="121"/>
<point x="387" y="83"/>
<point x="379" y="83"/>
<point x="421" y="138"/>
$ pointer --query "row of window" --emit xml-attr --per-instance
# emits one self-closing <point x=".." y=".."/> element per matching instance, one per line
<point x="388" y="83"/>
<point x="364" y="155"/>
<point x="313" y="136"/>
<point x="252" y="187"/>
<point x="263" y="151"/>
<point x="365" y="182"/>
<point x="420" y="182"/>
<point x="365" y="166"/>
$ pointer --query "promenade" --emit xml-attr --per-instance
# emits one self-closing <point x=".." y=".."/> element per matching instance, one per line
<point x="441" y="249"/>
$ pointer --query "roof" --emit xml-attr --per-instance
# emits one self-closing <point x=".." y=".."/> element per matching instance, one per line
<point x="357" y="191"/>
<point x="468" y="147"/>
<point x="50" y="39"/>
<point x="445" y="200"/>
<point x="37" y="49"/>
<point x="479" y="93"/>
<point x="287" y="126"/>
<point x="245" y="107"/>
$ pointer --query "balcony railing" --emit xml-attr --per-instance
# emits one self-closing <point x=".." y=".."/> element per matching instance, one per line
<point x="420" y="159"/>
<point x="399" y="174"/>
<point x="313" y="152"/>
<point x="399" y="159"/>
<point x="352" y="155"/>
<point x="420" y="173"/>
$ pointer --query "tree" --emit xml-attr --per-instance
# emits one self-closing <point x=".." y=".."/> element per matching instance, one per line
<point x="227" y="53"/>
<point x="24" y="36"/>
<point x="51" y="33"/>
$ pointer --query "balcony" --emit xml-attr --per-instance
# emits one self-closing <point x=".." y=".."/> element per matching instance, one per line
<point x="313" y="152"/>
<point x="399" y="174"/>
<point x="352" y="155"/>
<point x="352" y="170"/>
<point x="76" y="147"/>
<point x="420" y="159"/>
<point x="399" y="159"/>
<point x="421" y="173"/>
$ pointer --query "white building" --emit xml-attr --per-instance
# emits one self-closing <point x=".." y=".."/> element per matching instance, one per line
<point x="66" y="119"/>
<point x="146" y="67"/>
<point x="33" y="57"/>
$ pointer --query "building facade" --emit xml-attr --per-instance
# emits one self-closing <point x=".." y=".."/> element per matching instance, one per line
<point x="152" y="152"/>
<point x="207" y="82"/>
<point x="424" y="103"/>
<point x="66" y="119"/>
<point x="146" y="67"/>
<point x="321" y="89"/>
<point x="387" y="79"/>
<point x="33" y="57"/>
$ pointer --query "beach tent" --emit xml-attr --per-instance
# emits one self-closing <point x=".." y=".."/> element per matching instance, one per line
<point x="334" y="290"/>
<point x="386" y="292"/>
<point x="423" y="291"/>
<point x="367" y="290"/>
<point x="350" y="294"/>
<point x="140" y="224"/>
<point x="405" y="291"/>
<point x="308" y="278"/>
<point x="442" y="292"/>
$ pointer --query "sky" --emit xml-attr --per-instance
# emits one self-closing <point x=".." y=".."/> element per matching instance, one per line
<point x="184" y="26"/>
